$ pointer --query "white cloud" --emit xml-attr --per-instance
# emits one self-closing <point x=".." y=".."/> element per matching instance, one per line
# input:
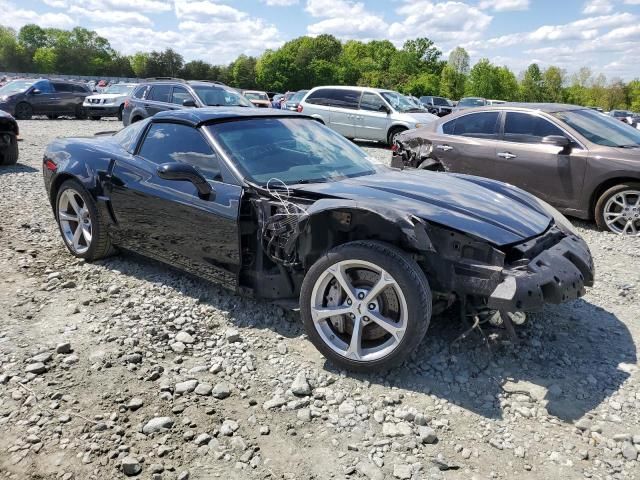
<point x="345" y="19"/>
<point x="205" y="9"/>
<point x="279" y="3"/>
<point x="112" y="16"/>
<point x="596" y="7"/>
<point x="150" y="6"/>
<point x="504" y="5"/>
<point x="15" y="17"/>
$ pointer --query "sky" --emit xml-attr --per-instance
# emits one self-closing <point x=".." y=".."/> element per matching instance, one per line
<point x="600" y="34"/>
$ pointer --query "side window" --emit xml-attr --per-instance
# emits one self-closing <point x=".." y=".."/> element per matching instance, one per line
<point x="160" y="93"/>
<point x="139" y="93"/>
<point x="527" y="128"/>
<point x="63" y="87"/>
<point x="449" y="127"/>
<point x="128" y="136"/>
<point x="333" y="97"/>
<point x="44" y="86"/>
<point x="371" y="102"/>
<point x="481" y="124"/>
<point x="179" y="95"/>
<point x="79" y="89"/>
<point x="169" y="142"/>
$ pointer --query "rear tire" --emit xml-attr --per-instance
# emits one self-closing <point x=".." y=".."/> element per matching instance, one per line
<point x="94" y="118"/>
<point x="81" y="113"/>
<point x="93" y="242"/>
<point x="9" y="154"/>
<point x="404" y="305"/>
<point x="24" y="111"/>
<point x="52" y="117"/>
<point x="393" y="133"/>
<point x="611" y="214"/>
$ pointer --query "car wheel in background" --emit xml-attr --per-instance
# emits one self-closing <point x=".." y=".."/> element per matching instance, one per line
<point x="120" y="110"/>
<point x="52" y="117"/>
<point x="8" y="149"/>
<point x="94" y="118"/>
<point x="81" y="225"/>
<point x="618" y="209"/>
<point x="393" y="133"/>
<point x="365" y="305"/>
<point x="81" y="113"/>
<point x="24" y="111"/>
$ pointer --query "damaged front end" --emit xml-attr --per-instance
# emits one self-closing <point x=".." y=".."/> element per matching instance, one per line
<point x="414" y="151"/>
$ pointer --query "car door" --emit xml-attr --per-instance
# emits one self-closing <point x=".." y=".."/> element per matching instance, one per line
<point x="550" y="172"/>
<point x="374" y="122"/>
<point x="65" y="101"/>
<point x="42" y="97"/>
<point x="344" y="110"/>
<point x="158" y="99"/>
<point x="466" y="144"/>
<point x="167" y="219"/>
<point x="180" y="95"/>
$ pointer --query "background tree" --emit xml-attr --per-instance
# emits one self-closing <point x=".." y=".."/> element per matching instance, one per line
<point x="552" y="81"/>
<point x="531" y="88"/>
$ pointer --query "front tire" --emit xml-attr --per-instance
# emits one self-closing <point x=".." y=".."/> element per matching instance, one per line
<point x="83" y="229"/>
<point x="24" y="111"/>
<point x="393" y="134"/>
<point x="618" y="209"/>
<point x="366" y="306"/>
<point x="9" y="153"/>
<point x="81" y="113"/>
<point x="94" y="118"/>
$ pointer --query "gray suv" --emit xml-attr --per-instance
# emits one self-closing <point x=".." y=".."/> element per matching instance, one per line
<point x="53" y="98"/>
<point x="582" y="162"/>
<point x="365" y="113"/>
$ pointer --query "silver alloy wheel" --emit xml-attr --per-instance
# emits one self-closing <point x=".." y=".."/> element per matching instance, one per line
<point x="362" y="308"/>
<point x="622" y="213"/>
<point x="75" y="221"/>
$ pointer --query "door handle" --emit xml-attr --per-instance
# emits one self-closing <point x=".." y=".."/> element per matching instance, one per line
<point x="506" y="155"/>
<point x="444" y="148"/>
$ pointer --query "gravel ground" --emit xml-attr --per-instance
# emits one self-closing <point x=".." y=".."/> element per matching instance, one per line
<point x="125" y="367"/>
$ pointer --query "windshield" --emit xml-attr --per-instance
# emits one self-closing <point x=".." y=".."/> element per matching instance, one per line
<point x="256" y="96"/>
<point x="119" y="89"/>
<point x="16" y="86"/>
<point x="440" y="101"/>
<point x="291" y="150"/>
<point x="401" y="103"/>
<point x="297" y="98"/>
<point x="600" y="129"/>
<point x="220" y="97"/>
<point x="472" y="102"/>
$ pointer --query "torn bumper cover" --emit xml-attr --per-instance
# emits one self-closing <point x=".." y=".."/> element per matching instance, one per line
<point x="556" y="275"/>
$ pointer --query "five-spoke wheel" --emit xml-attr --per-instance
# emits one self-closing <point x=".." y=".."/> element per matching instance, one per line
<point x="366" y="305"/>
<point x="618" y="210"/>
<point x="81" y="225"/>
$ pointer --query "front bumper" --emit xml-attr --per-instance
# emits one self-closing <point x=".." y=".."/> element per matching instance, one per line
<point x="102" y="110"/>
<point x="556" y="275"/>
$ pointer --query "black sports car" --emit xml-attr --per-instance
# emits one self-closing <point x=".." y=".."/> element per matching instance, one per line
<point x="8" y="139"/>
<point x="277" y="206"/>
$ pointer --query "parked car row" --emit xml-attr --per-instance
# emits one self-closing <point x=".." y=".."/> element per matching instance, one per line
<point x="53" y="98"/>
<point x="275" y="205"/>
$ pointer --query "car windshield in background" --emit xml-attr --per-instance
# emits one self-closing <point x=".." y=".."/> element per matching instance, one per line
<point x="220" y="97"/>
<point x="600" y="129"/>
<point x="15" y="87"/>
<point x="119" y="89"/>
<point x="472" y="102"/>
<point x="297" y="98"/>
<point x="401" y="103"/>
<point x="291" y="150"/>
<point x="256" y="96"/>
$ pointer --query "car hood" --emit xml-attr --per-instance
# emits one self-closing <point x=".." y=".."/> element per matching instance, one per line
<point x="494" y="211"/>
<point x="417" y="117"/>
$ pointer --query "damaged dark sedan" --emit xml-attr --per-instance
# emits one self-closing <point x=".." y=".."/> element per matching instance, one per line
<point x="277" y="206"/>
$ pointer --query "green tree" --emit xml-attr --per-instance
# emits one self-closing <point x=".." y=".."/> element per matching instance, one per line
<point x="482" y="80"/>
<point x="423" y="84"/>
<point x="452" y="83"/>
<point x="459" y="60"/>
<point x="531" y="87"/>
<point x="506" y="84"/>
<point x="12" y="58"/>
<point x="552" y="81"/>
<point x="243" y="72"/>
<point x="196" y="70"/>
<point x="138" y="62"/>
<point x="633" y="92"/>
<point x="45" y="60"/>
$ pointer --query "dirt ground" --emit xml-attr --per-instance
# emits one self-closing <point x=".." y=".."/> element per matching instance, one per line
<point x="126" y="367"/>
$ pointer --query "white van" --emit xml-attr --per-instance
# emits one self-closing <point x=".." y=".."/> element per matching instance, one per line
<point x="364" y="113"/>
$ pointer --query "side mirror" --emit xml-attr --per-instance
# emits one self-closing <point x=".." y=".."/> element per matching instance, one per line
<point x="557" y="140"/>
<point x="188" y="103"/>
<point x="385" y="109"/>
<point x="35" y="91"/>
<point x="185" y="172"/>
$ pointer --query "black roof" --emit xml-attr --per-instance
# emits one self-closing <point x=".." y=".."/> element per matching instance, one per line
<point x="199" y="116"/>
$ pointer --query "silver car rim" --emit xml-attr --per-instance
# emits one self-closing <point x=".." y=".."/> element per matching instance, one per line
<point x="359" y="310"/>
<point x="622" y="213"/>
<point x="75" y="221"/>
